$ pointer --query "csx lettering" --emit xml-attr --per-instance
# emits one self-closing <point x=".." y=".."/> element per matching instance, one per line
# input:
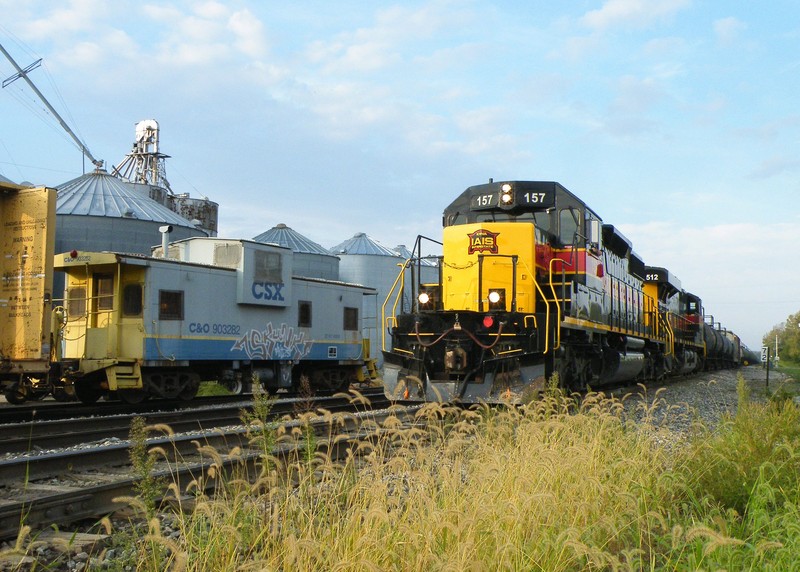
<point x="267" y="291"/>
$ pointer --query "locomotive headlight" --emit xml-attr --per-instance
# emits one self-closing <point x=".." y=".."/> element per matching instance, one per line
<point x="423" y="298"/>
<point x="497" y="299"/>
<point x="506" y="194"/>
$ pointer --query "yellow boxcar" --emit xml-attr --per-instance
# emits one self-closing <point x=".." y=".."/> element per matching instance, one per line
<point x="27" y="235"/>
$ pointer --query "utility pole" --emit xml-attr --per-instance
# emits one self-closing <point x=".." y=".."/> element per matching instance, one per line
<point x="23" y="73"/>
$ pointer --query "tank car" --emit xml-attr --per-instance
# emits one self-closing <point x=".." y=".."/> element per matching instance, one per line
<point x="532" y="283"/>
<point x="215" y="309"/>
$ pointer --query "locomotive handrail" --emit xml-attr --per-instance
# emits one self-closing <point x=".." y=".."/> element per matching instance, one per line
<point x="555" y="298"/>
<point x="386" y="320"/>
<point x="546" y="313"/>
<point x="670" y="334"/>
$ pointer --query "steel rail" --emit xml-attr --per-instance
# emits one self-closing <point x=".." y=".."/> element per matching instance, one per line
<point x="47" y="504"/>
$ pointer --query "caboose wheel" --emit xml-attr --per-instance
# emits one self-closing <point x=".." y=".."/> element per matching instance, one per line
<point x="189" y="383"/>
<point x="334" y="380"/>
<point x="61" y="394"/>
<point x="235" y="386"/>
<point x="87" y="392"/>
<point x="16" y="394"/>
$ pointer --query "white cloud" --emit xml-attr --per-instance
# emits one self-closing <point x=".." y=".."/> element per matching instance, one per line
<point x="720" y="263"/>
<point x="211" y="10"/>
<point x="161" y="13"/>
<point x="76" y="16"/>
<point x="636" y="95"/>
<point x="249" y="33"/>
<point x="727" y="30"/>
<point x="631" y="13"/>
<point x="773" y="166"/>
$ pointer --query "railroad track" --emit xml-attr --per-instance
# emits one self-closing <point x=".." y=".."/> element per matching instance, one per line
<point x="52" y="410"/>
<point x="39" y="436"/>
<point x="63" y="486"/>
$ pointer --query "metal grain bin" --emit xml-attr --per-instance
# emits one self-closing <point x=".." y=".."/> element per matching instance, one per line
<point x="310" y="259"/>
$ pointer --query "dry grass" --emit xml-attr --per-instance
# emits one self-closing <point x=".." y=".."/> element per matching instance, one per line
<point x="561" y="484"/>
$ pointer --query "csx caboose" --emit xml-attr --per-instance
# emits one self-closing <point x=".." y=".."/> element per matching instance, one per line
<point x="532" y="283"/>
<point x="215" y="309"/>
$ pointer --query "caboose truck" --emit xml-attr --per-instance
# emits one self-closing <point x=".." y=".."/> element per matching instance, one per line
<point x="221" y="309"/>
<point x="532" y="283"/>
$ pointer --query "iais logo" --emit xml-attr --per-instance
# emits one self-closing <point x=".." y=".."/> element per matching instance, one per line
<point x="483" y="241"/>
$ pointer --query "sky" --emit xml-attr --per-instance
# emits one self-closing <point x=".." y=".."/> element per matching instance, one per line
<point x="677" y="121"/>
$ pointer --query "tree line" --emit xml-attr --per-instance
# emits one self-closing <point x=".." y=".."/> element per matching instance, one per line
<point x="788" y="335"/>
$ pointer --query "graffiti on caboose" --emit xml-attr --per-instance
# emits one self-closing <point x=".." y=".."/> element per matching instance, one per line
<point x="273" y="343"/>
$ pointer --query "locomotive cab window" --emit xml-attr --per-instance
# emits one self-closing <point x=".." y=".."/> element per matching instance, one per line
<point x="568" y="225"/>
<point x="351" y="319"/>
<point x="303" y="314"/>
<point x="132" y="300"/>
<point x="170" y="304"/>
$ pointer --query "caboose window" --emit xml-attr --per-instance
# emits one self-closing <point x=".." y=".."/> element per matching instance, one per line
<point x="132" y="300"/>
<point x="304" y="314"/>
<point x="351" y="319"/>
<point x="76" y="302"/>
<point x="268" y="267"/>
<point x="104" y="291"/>
<point x="170" y="304"/>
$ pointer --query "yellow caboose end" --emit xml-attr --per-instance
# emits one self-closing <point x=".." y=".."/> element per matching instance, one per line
<point x="104" y="330"/>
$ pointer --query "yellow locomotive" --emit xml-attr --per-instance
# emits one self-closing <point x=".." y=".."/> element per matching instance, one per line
<point x="532" y="283"/>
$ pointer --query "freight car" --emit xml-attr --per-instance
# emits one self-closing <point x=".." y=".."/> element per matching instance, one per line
<point x="532" y="283"/>
<point x="27" y="236"/>
<point x="221" y="309"/>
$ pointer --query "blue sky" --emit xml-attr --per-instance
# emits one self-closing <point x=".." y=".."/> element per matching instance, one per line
<point x="675" y="120"/>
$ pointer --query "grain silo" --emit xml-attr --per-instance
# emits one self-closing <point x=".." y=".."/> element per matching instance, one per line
<point x="310" y="259"/>
<point x="97" y="211"/>
<point x="365" y="261"/>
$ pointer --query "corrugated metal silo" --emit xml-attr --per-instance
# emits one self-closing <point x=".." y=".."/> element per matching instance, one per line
<point x="97" y="211"/>
<point x="367" y="262"/>
<point x="310" y="259"/>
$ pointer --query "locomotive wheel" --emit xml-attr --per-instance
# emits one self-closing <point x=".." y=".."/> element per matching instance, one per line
<point x="16" y="394"/>
<point x="86" y="392"/>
